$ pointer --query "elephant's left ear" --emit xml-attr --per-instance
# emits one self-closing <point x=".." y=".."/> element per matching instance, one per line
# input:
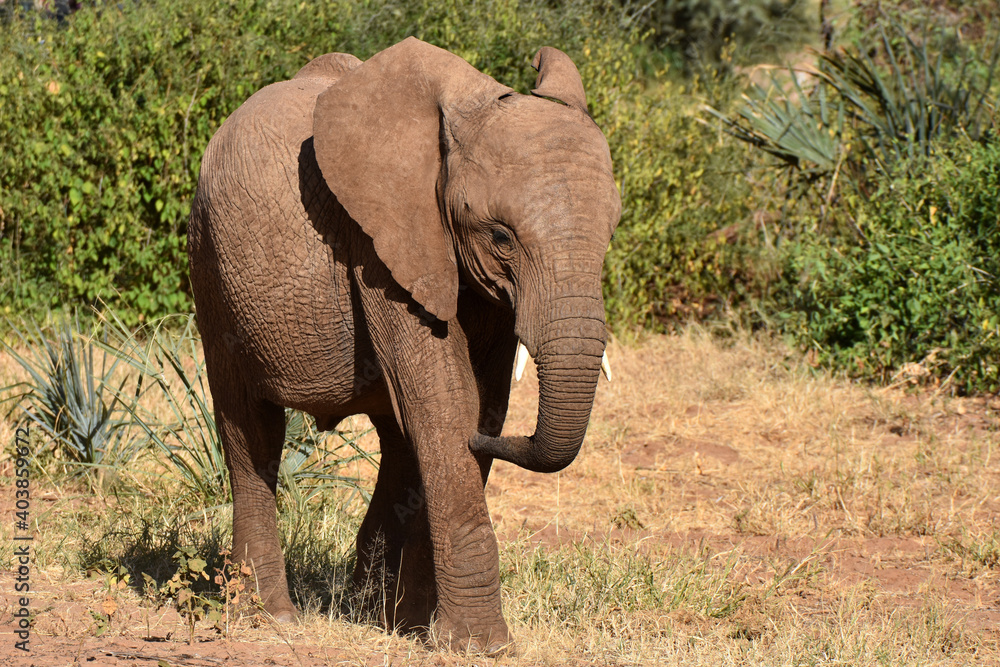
<point x="378" y="140"/>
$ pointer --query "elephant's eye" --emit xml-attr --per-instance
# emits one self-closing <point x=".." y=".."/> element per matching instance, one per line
<point x="500" y="237"/>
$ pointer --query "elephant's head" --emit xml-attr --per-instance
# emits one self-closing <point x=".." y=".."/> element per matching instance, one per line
<point x="459" y="179"/>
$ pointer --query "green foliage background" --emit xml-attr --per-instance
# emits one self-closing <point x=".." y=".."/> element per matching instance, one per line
<point x="103" y="122"/>
<point x="104" y="117"/>
<point x="888" y="263"/>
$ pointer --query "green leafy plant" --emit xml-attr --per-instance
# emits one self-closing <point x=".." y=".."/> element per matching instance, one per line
<point x="681" y="250"/>
<point x="916" y="299"/>
<point x="902" y="107"/>
<point x="191" y="592"/>
<point x="887" y="251"/>
<point x="183" y="588"/>
<point x="116" y="579"/>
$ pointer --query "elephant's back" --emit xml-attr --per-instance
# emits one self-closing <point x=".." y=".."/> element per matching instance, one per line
<point x="261" y="139"/>
<point x="331" y="67"/>
<point x="265" y="265"/>
<point x="272" y="124"/>
<point x="251" y="207"/>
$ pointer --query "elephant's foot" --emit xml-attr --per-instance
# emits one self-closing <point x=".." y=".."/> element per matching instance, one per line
<point x="278" y="605"/>
<point x="491" y="639"/>
<point x="285" y="616"/>
<point x="271" y="588"/>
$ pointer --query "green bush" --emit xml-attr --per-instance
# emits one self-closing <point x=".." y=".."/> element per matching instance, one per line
<point x="682" y="249"/>
<point x="702" y="30"/>
<point x="103" y="125"/>
<point x="104" y="122"/>
<point x="915" y="298"/>
<point x="886" y="245"/>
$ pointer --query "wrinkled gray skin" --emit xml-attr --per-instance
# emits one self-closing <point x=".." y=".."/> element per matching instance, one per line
<point x="374" y="238"/>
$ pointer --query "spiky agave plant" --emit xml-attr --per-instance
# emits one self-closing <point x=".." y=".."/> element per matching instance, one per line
<point x="69" y="394"/>
<point x="313" y="460"/>
<point x="172" y="408"/>
<point x="871" y="108"/>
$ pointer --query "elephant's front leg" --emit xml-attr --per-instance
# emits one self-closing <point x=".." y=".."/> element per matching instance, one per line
<point x="464" y="546"/>
<point x="394" y="575"/>
<point x="434" y="388"/>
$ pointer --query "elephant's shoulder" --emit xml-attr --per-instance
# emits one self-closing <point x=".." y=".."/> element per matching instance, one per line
<point x="331" y="66"/>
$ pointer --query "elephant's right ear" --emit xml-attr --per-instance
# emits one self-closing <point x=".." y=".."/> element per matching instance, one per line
<point x="379" y="145"/>
<point x="559" y="79"/>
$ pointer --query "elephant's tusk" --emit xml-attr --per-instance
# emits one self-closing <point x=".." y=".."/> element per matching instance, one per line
<point x="606" y="366"/>
<point x="520" y="360"/>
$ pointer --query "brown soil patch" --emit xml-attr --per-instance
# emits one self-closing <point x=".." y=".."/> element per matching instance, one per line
<point x="834" y="505"/>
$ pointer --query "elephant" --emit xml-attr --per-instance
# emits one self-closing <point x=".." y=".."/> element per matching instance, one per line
<point x="379" y="238"/>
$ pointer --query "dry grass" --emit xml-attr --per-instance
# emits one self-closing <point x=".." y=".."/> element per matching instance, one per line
<point x="731" y="505"/>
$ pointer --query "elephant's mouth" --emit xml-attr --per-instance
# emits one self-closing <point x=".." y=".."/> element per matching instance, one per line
<point x="522" y="356"/>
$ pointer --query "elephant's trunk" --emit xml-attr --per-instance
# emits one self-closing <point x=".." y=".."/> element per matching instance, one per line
<point x="569" y="362"/>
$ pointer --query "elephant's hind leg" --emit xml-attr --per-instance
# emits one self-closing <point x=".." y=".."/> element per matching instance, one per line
<point x="253" y="433"/>
<point x="394" y="575"/>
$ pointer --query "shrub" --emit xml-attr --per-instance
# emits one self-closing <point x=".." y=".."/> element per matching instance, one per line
<point x="681" y="249"/>
<point x="917" y="295"/>
<point x="702" y="29"/>
<point x="888" y="258"/>
<point x="104" y="122"/>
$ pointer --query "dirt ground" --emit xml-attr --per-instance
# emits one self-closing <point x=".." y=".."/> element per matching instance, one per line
<point x="859" y="526"/>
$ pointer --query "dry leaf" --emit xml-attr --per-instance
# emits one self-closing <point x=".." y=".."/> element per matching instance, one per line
<point x="109" y="605"/>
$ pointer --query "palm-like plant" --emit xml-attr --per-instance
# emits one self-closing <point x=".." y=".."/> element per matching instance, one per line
<point x="311" y="465"/>
<point x="70" y="395"/>
<point x="171" y="376"/>
<point x="868" y="108"/>
<point x="902" y="107"/>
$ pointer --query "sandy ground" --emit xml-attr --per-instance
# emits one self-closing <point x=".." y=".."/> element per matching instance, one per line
<point x="835" y="505"/>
